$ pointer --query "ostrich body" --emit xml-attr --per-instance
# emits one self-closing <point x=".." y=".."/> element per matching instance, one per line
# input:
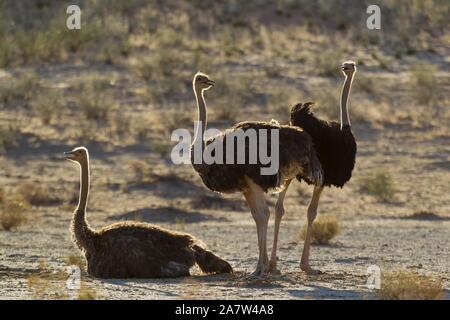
<point x="296" y="158"/>
<point x="335" y="146"/>
<point x="133" y="249"/>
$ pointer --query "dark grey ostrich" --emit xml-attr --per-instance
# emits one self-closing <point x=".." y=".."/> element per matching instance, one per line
<point x="336" y="148"/>
<point x="296" y="158"/>
<point x="133" y="249"/>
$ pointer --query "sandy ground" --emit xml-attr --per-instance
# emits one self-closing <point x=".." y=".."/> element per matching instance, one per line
<point x="373" y="232"/>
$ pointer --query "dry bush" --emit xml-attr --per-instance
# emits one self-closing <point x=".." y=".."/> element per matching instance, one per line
<point x="51" y="284"/>
<point x="409" y="285"/>
<point x="86" y="293"/>
<point x="164" y="63"/>
<point x="48" y="106"/>
<point x="231" y="96"/>
<point x="324" y="229"/>
<point x="380" y="185"/>
<point x="142" y="171"/>
<point x="327" y="62"/>
<point x="94" y="105"/>
<point x="327" y="103"/>
<point x="174" y="118"/>
<point x="18" y="89"/>
<point x="12" y="213"/>
<point x="9" y="137"/>
<point x="161" y="146"/>
<point x="75" y="260"/>
<point x="36" y="194"/>
<point x="280" y="100"/>
<point x="424" y="83"/>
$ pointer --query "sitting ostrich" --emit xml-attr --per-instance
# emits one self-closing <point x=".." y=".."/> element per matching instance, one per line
<point x="296" y="158"/>
<point x="132" y="249"/>
<point x="336" y="149"/>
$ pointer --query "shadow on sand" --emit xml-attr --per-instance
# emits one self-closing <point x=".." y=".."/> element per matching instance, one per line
<point x="166" y="215"/>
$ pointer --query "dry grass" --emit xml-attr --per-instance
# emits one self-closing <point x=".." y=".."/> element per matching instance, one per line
<point x="36" y="194"/>
<point x="161" y="147"/>
<point x="409" y="285"/>
<point x="48" y="106"/>
<point x="142" y="172"/>
<point x="380" y="185"/>
<point x="9" y="137"/>
<point x="76" y="260"/>
<point x="327" y="62"/>
<point x="12" y="213"/>
<point x="424" y="83"/>
<point x="47" y="283"/>
<point x="86" y="293"/>
<point x="18" y="89"/>
<point x="324" y="229"/>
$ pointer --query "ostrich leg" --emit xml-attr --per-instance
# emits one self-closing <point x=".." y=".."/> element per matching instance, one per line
<point x="260" y="212"/>
<point x="279" y="212"/>
<point x="312" y="213"/>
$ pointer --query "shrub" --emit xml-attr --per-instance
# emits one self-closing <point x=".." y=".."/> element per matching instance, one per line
<point x="409" y="285"/>
<point x="35" y="194"/>
<point x="424" y="83"/>
<point x="12" y="214"/>
<point x="324" y="229"/>
<point x="381" y="185"/>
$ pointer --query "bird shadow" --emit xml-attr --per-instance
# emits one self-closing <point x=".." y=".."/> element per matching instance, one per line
<point x="166" y="214"/>
<point x="321" y="292"/>
<point x="203" y="201"/>
<point x="167" y="186"/>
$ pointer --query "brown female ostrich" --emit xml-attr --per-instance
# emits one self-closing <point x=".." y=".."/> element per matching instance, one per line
<point x="132" y="249"/>
<point x="296" y="158"/>
<point x="336" y="148"/>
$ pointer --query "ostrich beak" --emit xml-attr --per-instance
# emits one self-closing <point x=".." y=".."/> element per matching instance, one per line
<point x="69" y="155"/>
<point x="211" y="82"/>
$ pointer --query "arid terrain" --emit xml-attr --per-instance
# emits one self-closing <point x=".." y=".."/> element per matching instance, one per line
<point x="121" y="93"/>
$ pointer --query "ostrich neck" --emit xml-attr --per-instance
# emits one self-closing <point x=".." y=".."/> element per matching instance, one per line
<point x="81" y="231"/>
<point x="201" y="125"/>
<point x="345" y="120"/>
<point x="84" y="186"/>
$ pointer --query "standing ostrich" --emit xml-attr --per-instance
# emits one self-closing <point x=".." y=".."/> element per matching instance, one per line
<point x="297" y="158"/>
<point x="132" y="249"/>
<point x="336" y="149"/>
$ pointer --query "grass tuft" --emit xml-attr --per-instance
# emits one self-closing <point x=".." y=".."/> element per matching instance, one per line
<point x="409" y="285"/>
<point x="380" y="185"/>
<point x="12" y="213"/>
<point x="324" y="229"/>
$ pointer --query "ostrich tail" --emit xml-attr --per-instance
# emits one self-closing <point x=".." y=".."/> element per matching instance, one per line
<point x="209" y="262"/>
<point x="316" y="171"/>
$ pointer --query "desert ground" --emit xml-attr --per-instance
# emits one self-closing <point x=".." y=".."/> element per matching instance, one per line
<point x="122" y="93"/>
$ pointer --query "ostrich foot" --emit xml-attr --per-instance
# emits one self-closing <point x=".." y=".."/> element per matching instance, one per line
<point x="260" y="271"/>
<point x="273" y="268"/>
<point x="310" y="271"/>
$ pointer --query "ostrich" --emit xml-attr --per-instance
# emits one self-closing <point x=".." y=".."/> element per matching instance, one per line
<point x="336" y="149"/>
<point x="296" y="158"/>
<point x="132" y="249"/>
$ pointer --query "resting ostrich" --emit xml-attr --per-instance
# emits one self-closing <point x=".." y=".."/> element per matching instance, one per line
<point x="132" y="249"/>
<point x="296" y="158"/>
<point x="336" y="148"/>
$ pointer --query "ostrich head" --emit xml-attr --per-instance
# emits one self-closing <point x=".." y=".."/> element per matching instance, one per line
<point x="79" y="154"/>
<point x="349" y="68"/>
<point x="202" y="81"/>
